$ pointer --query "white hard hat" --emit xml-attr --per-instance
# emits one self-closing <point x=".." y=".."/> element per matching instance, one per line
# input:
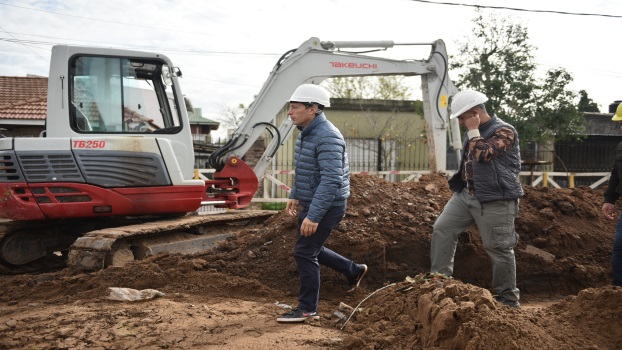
<point x="465" y="100"/>
<point x="311" y="93"/>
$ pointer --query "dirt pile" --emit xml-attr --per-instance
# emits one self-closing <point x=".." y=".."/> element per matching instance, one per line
<point x="448" y="314"/>
<point x="563" y="265"/>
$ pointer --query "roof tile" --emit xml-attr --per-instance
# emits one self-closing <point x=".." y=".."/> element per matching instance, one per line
<point x="23" y="97"/>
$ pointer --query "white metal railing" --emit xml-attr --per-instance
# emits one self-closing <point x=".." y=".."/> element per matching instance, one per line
<point x="546" y="177"/>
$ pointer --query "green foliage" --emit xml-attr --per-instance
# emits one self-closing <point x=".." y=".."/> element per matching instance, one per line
<point x="586" y="104"/>
<point x="554" y="114"/>
<point x="418" y="104"/>
<point x="382" y="88"/>
<point x="273" y="205"/>
<point x="558" y="113"/>
<point x="497" y="60"/>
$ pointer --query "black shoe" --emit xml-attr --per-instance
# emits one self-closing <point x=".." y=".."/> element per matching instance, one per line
<point x="508" y="302"/>
<point x="355" y="283"/>
<point x="298" y="315"/>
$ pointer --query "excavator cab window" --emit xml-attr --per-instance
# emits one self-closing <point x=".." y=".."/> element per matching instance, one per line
<point x="122" y="95"/>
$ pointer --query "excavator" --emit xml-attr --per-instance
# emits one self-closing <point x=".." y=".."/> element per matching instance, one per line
<point x="112" y="178"/>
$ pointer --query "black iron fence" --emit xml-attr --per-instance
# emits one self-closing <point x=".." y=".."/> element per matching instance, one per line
<point x="366" y="154"/>
<point x="577" y="157"/>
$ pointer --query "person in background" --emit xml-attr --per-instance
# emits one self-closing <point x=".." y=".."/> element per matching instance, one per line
<point x="611" y="195"/>
<point x="486" y="191"/>
<point x="321" y="189"/>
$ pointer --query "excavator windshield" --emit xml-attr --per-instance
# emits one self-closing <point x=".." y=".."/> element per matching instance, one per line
<point x="122" y="95"/>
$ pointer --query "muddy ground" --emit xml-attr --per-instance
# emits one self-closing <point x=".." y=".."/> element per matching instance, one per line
<point x="229" y="298"/>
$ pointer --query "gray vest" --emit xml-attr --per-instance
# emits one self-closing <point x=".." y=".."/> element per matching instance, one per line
<point x="497" y="180"/>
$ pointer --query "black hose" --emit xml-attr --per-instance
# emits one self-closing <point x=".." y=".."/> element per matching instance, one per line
<point x="214" y="158"/>
<point x="217" y="162"/>
<point x="438" y="94"/>
<point x="278" y="135"/>
<point x="284" y="57"/>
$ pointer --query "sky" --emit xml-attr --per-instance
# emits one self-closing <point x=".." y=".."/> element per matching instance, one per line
<point x="226" y="49"/>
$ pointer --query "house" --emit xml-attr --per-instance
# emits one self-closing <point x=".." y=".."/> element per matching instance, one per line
<point x="23" y="105"/>
<point x="201" y="128"/>
<point x="596" y="152"/>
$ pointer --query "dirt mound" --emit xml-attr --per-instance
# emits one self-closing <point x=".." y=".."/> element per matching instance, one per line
<point x="448" y="314"/>
<point x="564" y="255"/>
<point x="564" y="247"/>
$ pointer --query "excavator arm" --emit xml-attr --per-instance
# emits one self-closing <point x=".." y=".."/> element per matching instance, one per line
<point x="313" y="62"/>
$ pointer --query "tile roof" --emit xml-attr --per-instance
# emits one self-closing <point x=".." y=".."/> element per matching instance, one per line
<point x="23" y="97"/>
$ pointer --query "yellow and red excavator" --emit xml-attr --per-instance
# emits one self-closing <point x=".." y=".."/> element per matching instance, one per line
<point x="112" y="177"/>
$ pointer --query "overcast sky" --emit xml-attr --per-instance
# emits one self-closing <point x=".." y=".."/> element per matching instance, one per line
<point x="226" y="49"/>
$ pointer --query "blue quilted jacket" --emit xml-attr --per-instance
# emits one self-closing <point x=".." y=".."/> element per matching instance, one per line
<point x="322" y="177"/>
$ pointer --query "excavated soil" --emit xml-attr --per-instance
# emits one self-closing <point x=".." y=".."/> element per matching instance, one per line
<point x="229" y="298"/>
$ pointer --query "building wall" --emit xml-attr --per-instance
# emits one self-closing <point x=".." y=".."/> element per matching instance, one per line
<point x="363" y="121"/>
<point x="388" y="119"/>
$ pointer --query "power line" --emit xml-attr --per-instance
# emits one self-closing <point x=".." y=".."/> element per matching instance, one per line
<point x="99" y="20"/>
<point x="21" y="43"/>
<point x="99" y="44"/>
<point x="592" y="70"/>
<point x="517" y="9"/>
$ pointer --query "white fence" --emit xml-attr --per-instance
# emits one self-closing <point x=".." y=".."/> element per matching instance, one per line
<point x="544" y="178"/>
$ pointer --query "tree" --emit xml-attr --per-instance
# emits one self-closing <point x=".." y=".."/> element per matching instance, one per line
<point x="232" y="117"/>
<point x="498" y="61"/>
<point x="556" y="112"/>
<point x="586" y="104"/>
<point x="382" y="88"/>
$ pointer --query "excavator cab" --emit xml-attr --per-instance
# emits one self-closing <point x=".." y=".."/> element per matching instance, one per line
<point x="117" y="95"/>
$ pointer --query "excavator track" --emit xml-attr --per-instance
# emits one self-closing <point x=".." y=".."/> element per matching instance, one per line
<point x="95" y="244"/>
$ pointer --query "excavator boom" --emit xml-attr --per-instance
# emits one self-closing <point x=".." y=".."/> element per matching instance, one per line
<point x="314" y="61"/>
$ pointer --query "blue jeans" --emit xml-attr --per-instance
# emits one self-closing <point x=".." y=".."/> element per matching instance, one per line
<point x="310" y="252"/>
<point x="616" y="259"/>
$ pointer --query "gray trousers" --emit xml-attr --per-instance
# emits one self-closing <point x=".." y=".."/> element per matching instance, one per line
<point x="495" y="221"/>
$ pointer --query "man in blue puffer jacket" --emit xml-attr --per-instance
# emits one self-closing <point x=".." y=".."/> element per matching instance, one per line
<point x="321" y="189"/>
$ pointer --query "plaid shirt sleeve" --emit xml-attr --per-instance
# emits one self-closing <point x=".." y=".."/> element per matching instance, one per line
<point x="485" y="150"/>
